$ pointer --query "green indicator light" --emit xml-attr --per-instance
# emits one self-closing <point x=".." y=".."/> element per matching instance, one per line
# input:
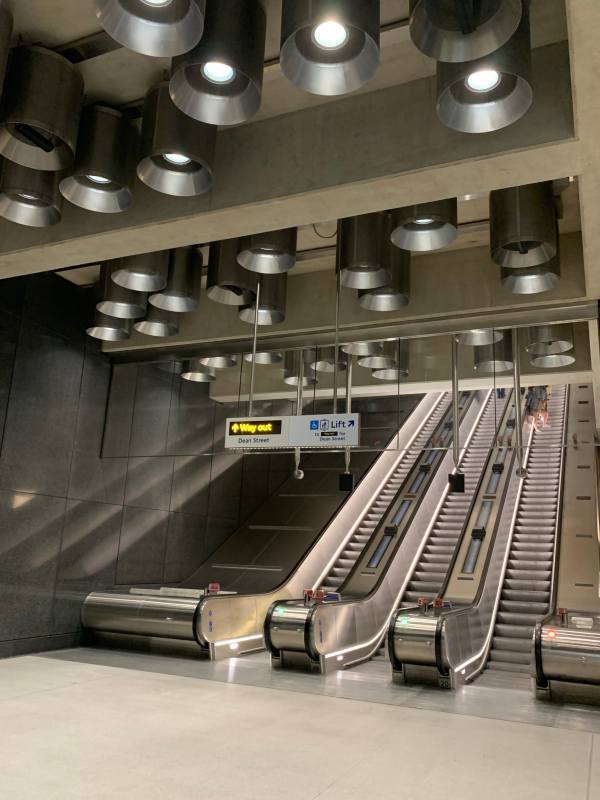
<point x="404" y="621"/>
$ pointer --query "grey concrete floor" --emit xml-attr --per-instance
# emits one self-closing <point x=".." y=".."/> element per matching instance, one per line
<point x="93" y="723"/>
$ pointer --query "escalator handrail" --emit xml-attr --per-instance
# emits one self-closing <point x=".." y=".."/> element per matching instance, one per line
<point x="537" y="634"/>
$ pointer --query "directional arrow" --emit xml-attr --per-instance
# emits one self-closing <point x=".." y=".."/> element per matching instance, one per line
<point x="351" y="423"/>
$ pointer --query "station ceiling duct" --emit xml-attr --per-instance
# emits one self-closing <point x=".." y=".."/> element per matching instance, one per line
<point x="426" y="226"/>
<point x="146" y="272"/>
<point x="181" y="295"/>
<point x="29" y="197"/>
<point x="523" y="225"/>
<point x="360" y="252"/>
<point x="228" y="282"/>
<point x="269" y="253"/>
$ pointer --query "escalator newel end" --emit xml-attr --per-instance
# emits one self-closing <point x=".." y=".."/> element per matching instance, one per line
<point x="456" y="481"/>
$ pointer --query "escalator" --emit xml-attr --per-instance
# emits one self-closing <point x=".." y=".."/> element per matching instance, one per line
<point x="566" y="642"/>
<point x="349" y="628"/>
<point x="488" y="624"/>
<point x="431" y="570"/>
<point x="281" y="549"/>
<point x="372" y="519"/>
<point x="526" y="589"/>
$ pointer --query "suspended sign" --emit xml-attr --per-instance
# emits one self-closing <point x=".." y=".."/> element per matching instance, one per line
<point x="327" y="430"/>
<point x="256" y="432"/>
<point x="264" y="433"/>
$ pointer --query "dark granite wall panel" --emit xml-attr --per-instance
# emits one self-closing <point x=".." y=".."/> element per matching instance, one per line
<point x="105" y="474"/>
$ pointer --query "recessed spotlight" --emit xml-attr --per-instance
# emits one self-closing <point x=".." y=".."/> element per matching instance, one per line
<point x="483" y="80"/>
<point x="178" y="159"/>
<point x="330" y="35"/>
<point x="424" y="221"/>
<point x="217" y="72"/>
<point x="157" y="2"/>
<point x="98" y="179"/>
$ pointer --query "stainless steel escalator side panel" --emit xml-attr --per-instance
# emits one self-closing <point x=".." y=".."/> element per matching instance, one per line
<point x="147" y="615"/>
<point x="566" y="646"/>
<point x="234" y="624"/>
<point x="570" y="654"/>
<point x="345" y="633"/>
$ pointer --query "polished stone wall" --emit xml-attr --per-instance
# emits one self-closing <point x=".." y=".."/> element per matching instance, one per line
<point x="108" y="478"/>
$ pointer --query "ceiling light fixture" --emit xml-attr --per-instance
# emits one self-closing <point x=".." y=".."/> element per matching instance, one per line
<point x="479" y="337"/>
<point x="483" y="80"/>
<point x="181" y="295"/>
<point x="272" y="304"/>
<point x="396" y="293"/>
<point x="549" y="340"/>
<point x="385" y="359"/>
<point x="146" y="272"/>
<point x="102" y="178"/>
<point x="220" y="80"/>
<point x="29" y="197"/>
<point x="265" y="358"/>
<point x="360" y="252"/>
<point x="363" y="348"/>
<point x="401" y="368"/>
<point x="217" y="72"/>
<point x="489" y="93"/>
<point x="219" y="361"/>
<point x="37" y="130"/>
<point x="196" y="372"/>
<point x="269" y="253"/>
<point x="158" y="323"/>
<point x="523" y="225"/>
<point x="177" y="158"/>
<point x="553" y="361"/>
<point x="330" y="34"/>
<point x="116" y="301"/>
<point x="291" y="369"/>
<point x="177" y="153"/>
<point x="227" y="281"/>
<point x="322" y="359"/>
<point x="109" y="329"/>
<point x="330" y="47"/>
<point x="532" y="280"/>
<point x="449" y="31"/>
<point x="494" y="358"/>
<point x="161" y="28"/>
<point x="426" y="226"/>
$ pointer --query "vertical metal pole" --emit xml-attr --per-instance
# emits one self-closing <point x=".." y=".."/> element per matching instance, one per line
<point x="298" y="474"/>
<point x="300" y="389"/>
<point x="338" y="289"/>
<point x="518" y="414"/>
<point x="254" y="339"/>
<point x="348" y="406"/>
<point x="455" y="409"/>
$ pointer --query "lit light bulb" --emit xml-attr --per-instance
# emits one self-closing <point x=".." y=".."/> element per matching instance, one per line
<point x="330" y="35"/>
<point x="217" y="72"/>
<point x="157" y="2"/>
<point x="28" y="196"/>
<point x="424" y="221"/>
<point x="177" y="158"/>
<point x="97" y="179"/>
<point x="484" y="80"/>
